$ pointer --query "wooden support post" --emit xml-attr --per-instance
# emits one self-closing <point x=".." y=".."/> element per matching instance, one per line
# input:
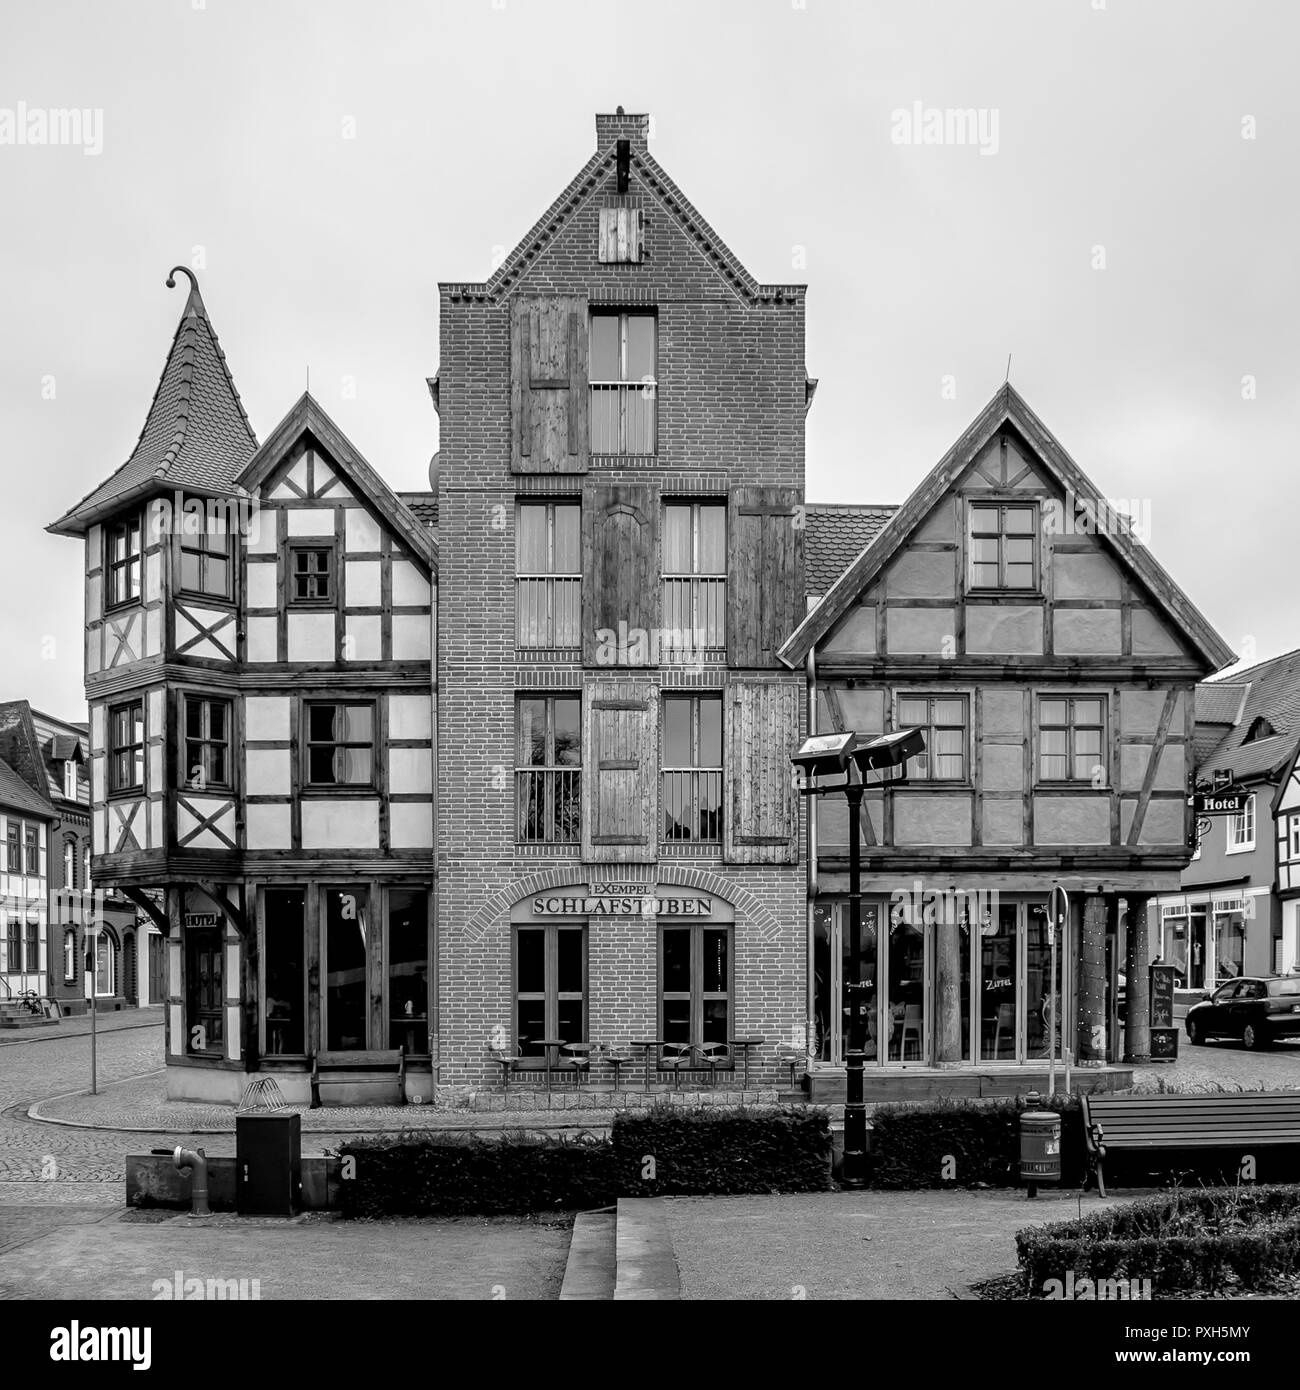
<point x="948" y="1039"/>
<point x="1137" y="1002"/>
<point x="1092" y="981"/>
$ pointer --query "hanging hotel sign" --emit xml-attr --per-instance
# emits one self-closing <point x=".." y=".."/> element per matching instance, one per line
<point x="1219" y="803"/>
<point x="201" y="919"/>
<point x="620" y="900"/>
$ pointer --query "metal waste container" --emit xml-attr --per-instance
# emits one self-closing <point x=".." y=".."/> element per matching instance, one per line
<point x="268" y="1163"/>
<point x="1040" y="1148"/>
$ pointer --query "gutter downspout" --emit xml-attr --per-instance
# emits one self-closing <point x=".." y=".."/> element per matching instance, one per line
<point x="812" y="879"/>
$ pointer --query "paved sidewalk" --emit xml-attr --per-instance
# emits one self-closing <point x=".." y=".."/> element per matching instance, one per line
<point x="78" y="1026"/>
<point x="883" y="1245"/>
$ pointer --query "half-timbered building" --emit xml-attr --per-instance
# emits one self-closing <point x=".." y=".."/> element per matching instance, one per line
<point x="259" y="671"/>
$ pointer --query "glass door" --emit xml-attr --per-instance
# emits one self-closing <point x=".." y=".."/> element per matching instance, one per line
<point x="832" y="966"/>
<point x="905" y="1020"/>
<point x="1000" y="983"/>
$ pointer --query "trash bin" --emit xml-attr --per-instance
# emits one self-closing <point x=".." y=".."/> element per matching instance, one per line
<point x="268" y="1163"/>
<point x="1040" y="1148"/>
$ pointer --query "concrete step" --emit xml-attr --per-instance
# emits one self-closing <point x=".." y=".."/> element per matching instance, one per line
<point x="592" y="1266"/>
<point x="647" y="1266"/>
<point x="26" y="1020"/>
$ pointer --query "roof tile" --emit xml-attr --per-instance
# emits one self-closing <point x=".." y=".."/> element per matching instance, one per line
<point x="834" y="537"/>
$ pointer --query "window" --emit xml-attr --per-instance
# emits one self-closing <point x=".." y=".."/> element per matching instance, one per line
<point x="694" y="578"/>
<point x="14" y="942"/>
<point x="1294" y="833"/>
<point x="622" y="383"/>
<point x="340" y="745"/>
<point x="548" y="574"/>
<point x="695" y="984"/>
<point x="347" y="997"/>
<point x="1071" y="737"/>
<point x="1003" y="546"/>
<point x="311" y="575"/>
<point x="69" y="864"/>
<point x="1259" y="728"/>
<point x="548" y="768"/>
<point x="942" y="719"/>
<point x="124" y="541"/>
<point x="33" y="943"/>
<point x="207" y="743"/>
<point x="69" y="957"/>
<point x="550" y="987"/>
<point x="85" y="867"/>
<point x="284" y="954"/>
<point x="408" y="970"/>
<point x="1241" y="829"/>
<point x="32" y="840"/>
<point x="14" y="856"/>
<point x="1229" y="937"/>
<point x="126" y="747"/>
<point x="692" y="769"/>
<point x="204" y="989"/>
<point x="70" y="780"/>
<point x="205" y="561"/>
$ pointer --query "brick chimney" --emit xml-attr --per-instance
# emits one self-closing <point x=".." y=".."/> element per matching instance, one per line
<point x="620" y="126"/>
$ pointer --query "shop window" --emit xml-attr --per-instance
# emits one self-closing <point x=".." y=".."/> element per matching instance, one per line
<point x="943" y="721"/>
<point x="548" y="574"/>
<point x="548" y="768"/>
<point x="692" y="769"/>
<point x="311" y="576"/>
<point x="695" y="984"/>
<point x="340" y="744"/>
<point x="207" y="743"/>
<point x="1229" y="939"/>
<point x="284" y="953"/>
<point x="550" y="988"/>
<point x="204" y="990"/>
<point x="1003" y="546"/>
<point x="1071" y="739"/>
<point x="205" y="561"/>
<point x="123" y="556"/>
<point x="126" y="747"/>
<point x="346" y="995"/>
<point x="623" y="384"/>
<point x="408" y="970"/>
<point x="1241" y="829"/>
<point x="694" y="579"/>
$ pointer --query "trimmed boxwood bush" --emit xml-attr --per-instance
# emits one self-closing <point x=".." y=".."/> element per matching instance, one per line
<point x="708" y="1150"/>
<point x="466" y="1174"/>
<point x="1213" y="1240"/>
<point x="665" y="1149"/>
<point x="911" y="1143"/>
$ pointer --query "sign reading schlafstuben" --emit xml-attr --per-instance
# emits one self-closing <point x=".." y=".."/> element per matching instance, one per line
<point x="620" y="900"/>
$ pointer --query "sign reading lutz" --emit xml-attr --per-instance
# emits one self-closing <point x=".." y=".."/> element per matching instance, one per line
<point x="620" y="900"/>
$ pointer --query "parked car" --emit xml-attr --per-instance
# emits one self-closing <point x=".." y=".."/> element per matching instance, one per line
<point x="1256" y="1009"/>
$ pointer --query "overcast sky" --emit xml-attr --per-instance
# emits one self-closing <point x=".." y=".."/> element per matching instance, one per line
<point x="326" y="164"/>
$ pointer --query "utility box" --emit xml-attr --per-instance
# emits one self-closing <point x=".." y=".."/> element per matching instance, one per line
<point x="268" y="1163"/>
<point x="1040" y="1148"/>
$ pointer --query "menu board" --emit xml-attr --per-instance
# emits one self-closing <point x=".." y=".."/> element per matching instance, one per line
<point x="1162" y="996"/>
<point x="1164" y="1044"/>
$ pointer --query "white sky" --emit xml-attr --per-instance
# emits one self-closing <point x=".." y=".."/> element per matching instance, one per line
<point x="1118" y="127"/>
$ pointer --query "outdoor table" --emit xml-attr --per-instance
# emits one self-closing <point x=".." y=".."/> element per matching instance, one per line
<point x="546" y="1044"/>
<point x="648" y="1044"/>
<point x="745" y="1044"/>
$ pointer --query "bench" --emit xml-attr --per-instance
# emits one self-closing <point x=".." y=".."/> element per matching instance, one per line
<point x="1164" y="1124"/>
<point x="358" y="1078"/>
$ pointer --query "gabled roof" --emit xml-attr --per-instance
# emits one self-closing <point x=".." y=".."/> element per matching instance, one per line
<point x="834" y="536"/>
<point x="652" y="179"/>
<point x="196" y="434"/>
<point x="1272" y="692"/>
<point x="36" y="745"/>
<point x="1006" y="406"/>
<point x="1218" y="707"/>
<point x="423" y="506"/>
<point x="16" y="795"/>
<point x="308" y="418"/>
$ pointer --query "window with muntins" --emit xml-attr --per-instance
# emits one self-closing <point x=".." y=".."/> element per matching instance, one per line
<point x="340" y="744"/>
<point x="311" y="575"/>
<point x="943" y="721"/>
<point x="1071" y="739"/>
<point x="1003" y="546"/>
<point x="548" y="574"/>
<point x="124" y="553"/>
<point x="205" y="562"/>
<point x="695" y="984"/>
<point x="623" y="385"/>
<point x="207" y="743"/>
<point x="550" y="988"/>
<point x="692" y="769"/>
<point x="694" y="578"/>
<point x="1241" y="829"/>
<point x="126" y="747"/>
<point x="548" y="769"/>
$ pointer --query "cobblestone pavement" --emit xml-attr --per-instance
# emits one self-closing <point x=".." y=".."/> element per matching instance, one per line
<point x="78" y="1026"/>
<point x="1225" y="1064"/>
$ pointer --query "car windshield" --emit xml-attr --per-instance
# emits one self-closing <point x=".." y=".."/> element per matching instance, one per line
<point x="1291" y="986"/>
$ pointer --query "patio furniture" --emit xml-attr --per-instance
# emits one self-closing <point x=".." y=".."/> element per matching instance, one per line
<point x="576" y="1057"/>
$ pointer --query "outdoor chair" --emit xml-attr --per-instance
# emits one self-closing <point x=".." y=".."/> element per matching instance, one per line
<point x="576" y="1057"/>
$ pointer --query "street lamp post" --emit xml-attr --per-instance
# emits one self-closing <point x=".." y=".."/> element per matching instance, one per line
<point x="843" y="753"/>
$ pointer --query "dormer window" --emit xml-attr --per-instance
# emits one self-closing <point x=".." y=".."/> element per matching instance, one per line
<point x="124" y="552"/>
<point x="1003" y="546"/>
<point x="70" y="779"/>
<point x="1259" y="728"/>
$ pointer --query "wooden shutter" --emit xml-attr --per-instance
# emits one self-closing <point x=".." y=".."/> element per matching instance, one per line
<point x="620" y="235"/>
<point x="620" y="765"/>
<point x="765" y="578"/>
<point x="548" y="384"/>
<point x="620" y="567"/>
<point x="762" y="814"/>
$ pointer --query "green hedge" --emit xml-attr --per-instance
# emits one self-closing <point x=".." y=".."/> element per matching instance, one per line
<point x="662" y="1150"/>
<point x="1211" y="1240"/>
<point x="707" y="1150"/>
<point x="966" y="1143"/>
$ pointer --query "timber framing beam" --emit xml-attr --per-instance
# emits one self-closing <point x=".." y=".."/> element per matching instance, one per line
<point x="223" y="904"/>
<point x="150" y="908"/>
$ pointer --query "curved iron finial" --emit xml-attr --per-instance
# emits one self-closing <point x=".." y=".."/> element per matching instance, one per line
<point x="184" y="270"/>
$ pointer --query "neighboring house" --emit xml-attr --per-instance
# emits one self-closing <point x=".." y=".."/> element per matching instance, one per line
<point x="259" y="627"/>
<point x="622" y="452"/>
<point x="52" y="757"/>
<point x="1236" y="912"/>
<point x="1050" y="663"/>
<point x="24" y="902"/>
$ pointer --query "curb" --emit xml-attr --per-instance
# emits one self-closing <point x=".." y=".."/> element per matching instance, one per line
<point x="591" y="1270"/>
<point x="647" y="1264"/>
